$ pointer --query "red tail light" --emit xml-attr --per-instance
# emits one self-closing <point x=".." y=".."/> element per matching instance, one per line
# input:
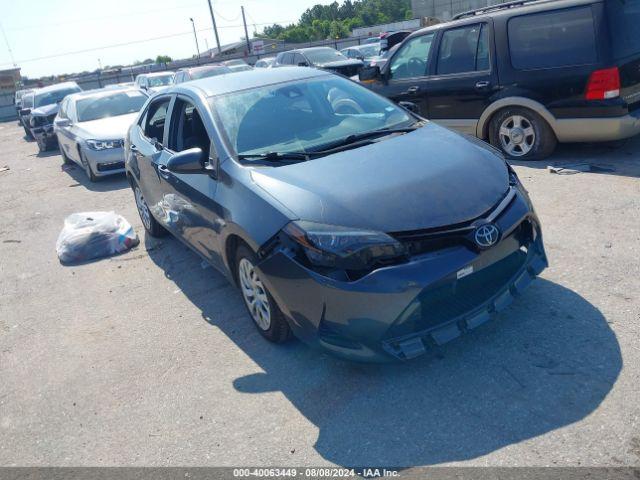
<point x="604" y="84"/>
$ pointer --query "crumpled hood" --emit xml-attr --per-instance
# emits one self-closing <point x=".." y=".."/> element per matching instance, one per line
<point x="428" y="178"/>
<point x="45" y="110"/>
<point x="339" y="63"/>
<point x="112" y="128"/>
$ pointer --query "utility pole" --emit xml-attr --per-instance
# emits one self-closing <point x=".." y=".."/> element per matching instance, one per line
<point x="215" y="29"/>
<point x="6" y="40"/>
<point x="246" y="33"/>
<point x="195" y="36"/>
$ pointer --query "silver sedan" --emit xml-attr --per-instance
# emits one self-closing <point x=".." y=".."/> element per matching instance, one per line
<point x="91" y="127"/>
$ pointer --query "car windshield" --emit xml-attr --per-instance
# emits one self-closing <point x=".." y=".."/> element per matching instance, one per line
<point x="303" y="116"/>
<point x="112" y="105"/>
<point x="55" y="96"/>
<point x="208" y="72"/>
<point x="324" y="55"/>
<point x="369" y="50"/>
<point x="160" y="80"/>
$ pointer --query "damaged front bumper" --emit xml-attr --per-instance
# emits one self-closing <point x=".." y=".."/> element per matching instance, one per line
<point x="400" y="311"/>
<point x="45" y="135"/>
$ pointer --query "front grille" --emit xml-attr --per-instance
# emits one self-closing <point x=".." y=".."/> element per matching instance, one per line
<point x="106" y="167"/>
<point x="442" y="304"/>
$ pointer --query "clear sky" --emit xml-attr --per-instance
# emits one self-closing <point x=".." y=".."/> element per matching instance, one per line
<point x="44" y="28"/>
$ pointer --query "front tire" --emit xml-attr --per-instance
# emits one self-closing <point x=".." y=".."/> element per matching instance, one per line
<point x="522" y="134"/>
<point x="87" y="168"/>
<point x="27" y="132"/>
<point x="65" y="159"/>
<point x="149" y="223"/>
<point x="261" y="306"/>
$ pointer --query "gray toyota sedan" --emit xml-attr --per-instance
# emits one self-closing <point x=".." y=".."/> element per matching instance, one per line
<point x="91" y="126"/>
<point x="343" y="218"/>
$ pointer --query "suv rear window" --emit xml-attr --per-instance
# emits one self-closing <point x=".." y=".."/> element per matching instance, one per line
<point x="558" y="38"/>
<point x="624" y="18"/>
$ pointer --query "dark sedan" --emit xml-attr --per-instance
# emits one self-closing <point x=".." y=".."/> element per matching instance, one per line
<point x="368" y="231"/>
<point x="325" y="58"/>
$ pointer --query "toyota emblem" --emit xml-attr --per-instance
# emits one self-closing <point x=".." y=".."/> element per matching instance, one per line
<point x="487" y="235"/>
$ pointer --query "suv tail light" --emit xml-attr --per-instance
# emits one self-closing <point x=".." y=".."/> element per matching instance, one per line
<point x="603" y="84"/>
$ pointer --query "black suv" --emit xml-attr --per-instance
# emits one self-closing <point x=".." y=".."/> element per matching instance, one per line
<point x="325" y="58"/>
<point x="525" y="75"/>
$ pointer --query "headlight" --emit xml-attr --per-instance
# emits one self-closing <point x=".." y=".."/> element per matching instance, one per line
<point x="104" y="144"/>
<point x="344" y="248"/>
<point x="34" y="121"/>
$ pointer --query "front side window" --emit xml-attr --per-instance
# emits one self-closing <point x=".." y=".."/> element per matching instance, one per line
<point x="187" y="130"/>
<point x="155" y="119"/>
<point x="111" y="105"/>
<point x="412" y="57"/>
<point x="559" y="38"/>
<point x="27" y="100"/>
<point x="464" y="49"/>
<point x="311" y="114"/>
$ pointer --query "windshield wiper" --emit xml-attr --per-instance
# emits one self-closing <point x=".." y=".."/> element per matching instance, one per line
<point x="359" y="138"/>
<point x="275" y="156"/>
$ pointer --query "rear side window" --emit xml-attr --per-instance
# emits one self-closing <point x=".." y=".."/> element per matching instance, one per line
<point x="155" y="119"/>
<point x="463" y="50"/>
<point x="624" y="20"/>
<point x="558" y="38"/>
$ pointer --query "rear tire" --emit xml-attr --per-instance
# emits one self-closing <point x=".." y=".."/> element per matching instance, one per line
<point x="149" y="223"/>
<point x="522" y="134"/>
<point x="262" y="308"/>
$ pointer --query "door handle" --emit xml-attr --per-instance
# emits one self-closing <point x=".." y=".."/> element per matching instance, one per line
<point x="482" y="85"/>
<point x="164" y="171"/>
<point x="413" y="90"/>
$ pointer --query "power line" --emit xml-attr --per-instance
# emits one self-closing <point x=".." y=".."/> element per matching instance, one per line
<point x="6" y="40"/>
<point x="124" y="44"/>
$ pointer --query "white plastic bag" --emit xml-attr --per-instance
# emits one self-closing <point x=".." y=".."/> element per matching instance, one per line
<point x="89" y="235"/>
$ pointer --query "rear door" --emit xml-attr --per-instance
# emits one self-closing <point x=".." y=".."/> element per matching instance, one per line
<point x="463" y="78"/>
<point x="624" y="20"/>
<point x="406" y="76"/>
<point x="148" y="146"/>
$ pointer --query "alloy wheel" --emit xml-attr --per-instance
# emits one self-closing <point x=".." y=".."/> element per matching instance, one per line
<point x="254" y="294"/>
<point x="517" y="136"/>
<point x="143" y="209"/>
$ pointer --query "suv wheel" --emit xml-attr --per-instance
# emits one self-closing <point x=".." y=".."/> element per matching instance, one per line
<point x="87" y="168"/>
<point x="522" y="134"/>
<point x="150" y="224"/>
<point x="262" y="308"/>
<point x="27" y="133"/>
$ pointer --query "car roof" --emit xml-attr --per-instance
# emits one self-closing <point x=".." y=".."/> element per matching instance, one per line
<point x="509" y="9"/>
<point x="158" y="74"/>
<point x="57" y="86"/>
<point x="203" y="68"/>
<point x="312" y="49"/>
<point x="245" y="80"/>
<point x="103" y="92"/>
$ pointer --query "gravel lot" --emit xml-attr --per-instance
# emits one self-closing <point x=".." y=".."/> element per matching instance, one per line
<point x="149" y="359"/>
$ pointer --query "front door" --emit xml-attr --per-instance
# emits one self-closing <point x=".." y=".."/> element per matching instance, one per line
<point x="406" y="76"/>
<point x="189" y="200"/>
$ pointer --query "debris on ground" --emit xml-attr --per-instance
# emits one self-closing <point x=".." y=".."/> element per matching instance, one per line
<point x="4" y="169"/>
<point x="573" y="168"/>
<point x="90" y="235"/>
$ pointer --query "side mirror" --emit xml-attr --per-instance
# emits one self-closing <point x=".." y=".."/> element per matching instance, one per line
<point x="63" y="122"/>
<point x="412" y="107"/>
<point x="187" y="161"/>
<point x="369" y="74"/>
<point x="25" y="111"/>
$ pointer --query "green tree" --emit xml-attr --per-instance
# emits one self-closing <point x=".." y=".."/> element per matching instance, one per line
<point x="163" y="59"/>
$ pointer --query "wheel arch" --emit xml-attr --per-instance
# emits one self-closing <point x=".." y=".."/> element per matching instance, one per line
<point x="482" y="129"/>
